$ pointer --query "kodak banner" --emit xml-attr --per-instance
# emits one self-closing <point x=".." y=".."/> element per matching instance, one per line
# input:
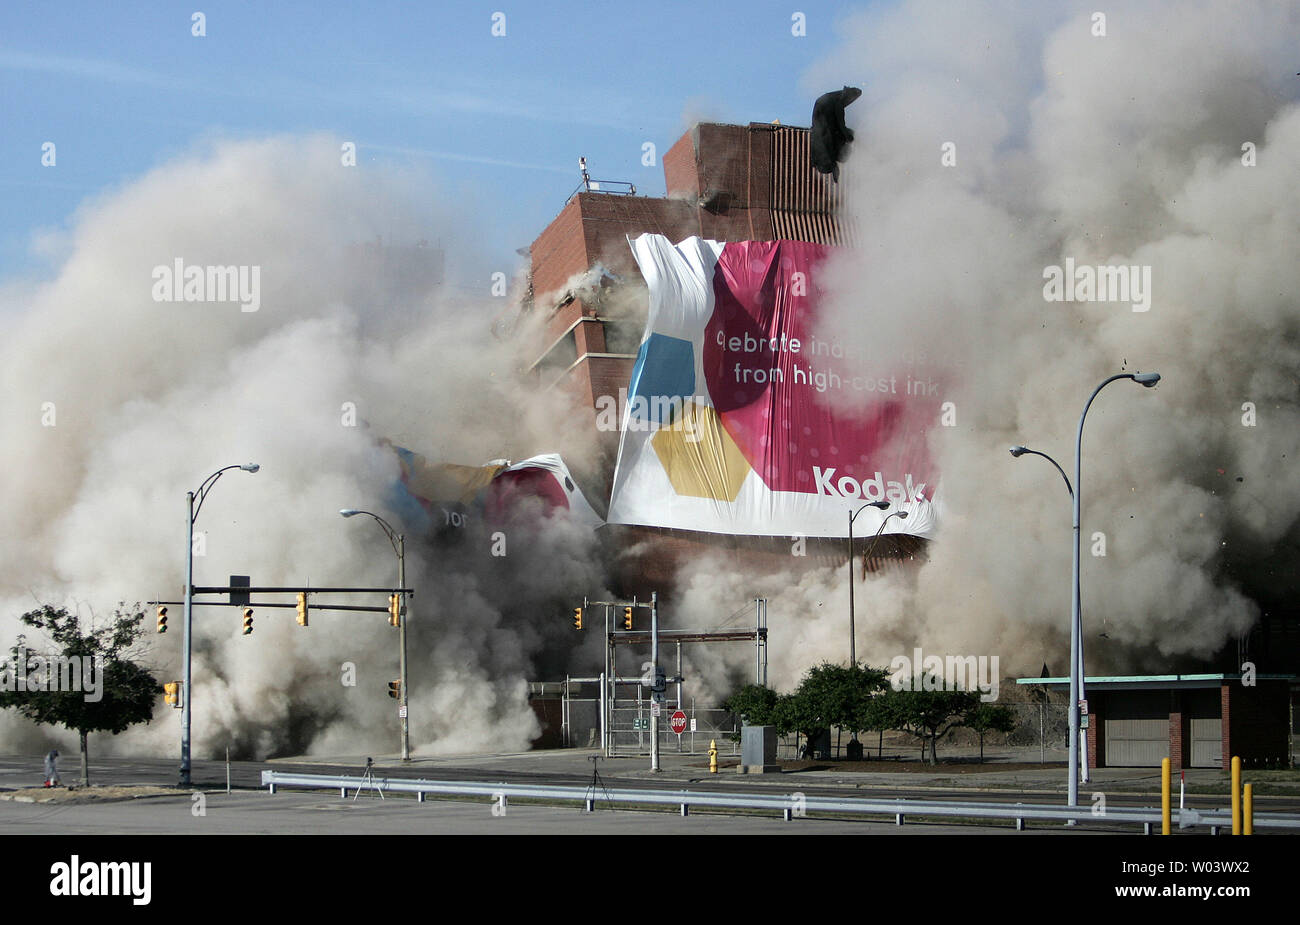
<point x="741" y="418"/>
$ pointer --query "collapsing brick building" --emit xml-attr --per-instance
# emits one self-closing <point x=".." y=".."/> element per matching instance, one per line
<point x="725" y="183"/>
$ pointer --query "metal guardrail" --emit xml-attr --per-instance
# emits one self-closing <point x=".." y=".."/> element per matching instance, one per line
<point x="790" y="805"/>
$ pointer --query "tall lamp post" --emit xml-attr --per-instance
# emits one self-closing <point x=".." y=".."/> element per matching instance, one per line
<point x="1019" y="451"/>
<point x="879" y="505"/>
<point x="399" y="546"/>
<point x="1147" y="380"/>
<point x="191" y="515"/>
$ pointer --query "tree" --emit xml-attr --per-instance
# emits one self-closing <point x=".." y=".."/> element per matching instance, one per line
<point x="876" y="713"/>
<point x="989" y="717"/>
<point x="926" y="714"/>
<point x="753" y="703"/>
<point x="124" y="694"/>
<point x="829" y="695"/>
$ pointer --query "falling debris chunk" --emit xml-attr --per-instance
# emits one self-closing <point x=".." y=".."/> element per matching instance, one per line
<point x="830" y="136"/>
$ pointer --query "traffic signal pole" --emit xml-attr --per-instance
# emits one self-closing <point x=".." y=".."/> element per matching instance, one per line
<point x="186" y="644"/>
<point x="609" y="688"/>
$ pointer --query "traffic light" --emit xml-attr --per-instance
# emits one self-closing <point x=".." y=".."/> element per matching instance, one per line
<point x="394" y="609"/>
<point x="302" y="608"/>
<point x="172" y="693"/>
<point x="627" y="618"/>
<point x="395" y="689"/>
<point x="577" y="618"/>
<point x="248" y="621"/>
<point x="162" y="619"/>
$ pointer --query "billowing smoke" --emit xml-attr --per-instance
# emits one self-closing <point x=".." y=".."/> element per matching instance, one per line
<point x="992" y="144"/>
<point x="994" y="141"/>
<point x="119" y="401"/>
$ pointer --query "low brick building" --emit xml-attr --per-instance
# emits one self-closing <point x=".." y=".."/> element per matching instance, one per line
<point x="1193" y="719"/>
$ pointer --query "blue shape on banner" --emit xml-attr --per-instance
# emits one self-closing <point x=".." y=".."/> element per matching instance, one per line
<point x="665" y="368"/>
<point x="412" y="516"/>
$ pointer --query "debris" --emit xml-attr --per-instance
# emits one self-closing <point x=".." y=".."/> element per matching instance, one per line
<point x="830" y="136"/>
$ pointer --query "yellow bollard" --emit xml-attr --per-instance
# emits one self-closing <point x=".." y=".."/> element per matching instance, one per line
<point x="1164" y="796"/>
<point x="1236" y="795"/>
<point x="713" y="756"/>
<point x="1248" y="820"/>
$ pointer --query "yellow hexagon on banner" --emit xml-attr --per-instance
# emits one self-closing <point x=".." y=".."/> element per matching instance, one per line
<point x="699" y="456"/>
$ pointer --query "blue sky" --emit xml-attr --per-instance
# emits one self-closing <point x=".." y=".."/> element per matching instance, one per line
<point x="121" y="88"/>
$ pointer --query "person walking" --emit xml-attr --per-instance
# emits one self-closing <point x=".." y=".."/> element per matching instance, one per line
<point x="52" y="768"/>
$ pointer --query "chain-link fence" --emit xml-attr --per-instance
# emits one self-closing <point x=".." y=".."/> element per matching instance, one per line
<point x="1040" y="733"/>
<point x="630" y="730"/>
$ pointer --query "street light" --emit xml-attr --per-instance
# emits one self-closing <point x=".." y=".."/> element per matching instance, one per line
<point x="191" y="515"/>
<point x="399" y="546"/>
<point x="1019" y="451"/>
<point x="1147" y="380"/>
<point x="881" y="506"/>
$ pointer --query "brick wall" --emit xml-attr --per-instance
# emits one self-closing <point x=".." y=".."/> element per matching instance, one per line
<point x="559" y="252"/>
<point x="607" y="375"/>
<point x="1255" y="722"/>
<point x="593" y="228"/>
<point x="1096" y="738"/>
<point x="681" y="174"/>
<point x="608" y="220"/>
<point x="1180" y="734"/>
<point x="590" y="337"/>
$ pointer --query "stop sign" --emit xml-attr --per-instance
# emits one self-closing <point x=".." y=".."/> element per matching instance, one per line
<point x="678" y="722"/>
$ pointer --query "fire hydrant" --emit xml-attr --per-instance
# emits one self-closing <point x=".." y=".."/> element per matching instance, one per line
<point x="713" y="756"/>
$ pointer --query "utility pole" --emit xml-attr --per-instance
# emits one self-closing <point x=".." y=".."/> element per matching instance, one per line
<point x="605" y="708"/>
<point x="656" y="694"/>
<point x="679" y="687"/>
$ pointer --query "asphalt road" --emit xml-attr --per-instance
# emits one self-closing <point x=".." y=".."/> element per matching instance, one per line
<point x="296" y="813"/>
<point x="249" y="809"/>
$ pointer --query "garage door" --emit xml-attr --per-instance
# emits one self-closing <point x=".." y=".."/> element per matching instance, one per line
<point x="1137" y="728"/>
<point x="1203" y="709"/>
<point x="1207" y="742"/>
